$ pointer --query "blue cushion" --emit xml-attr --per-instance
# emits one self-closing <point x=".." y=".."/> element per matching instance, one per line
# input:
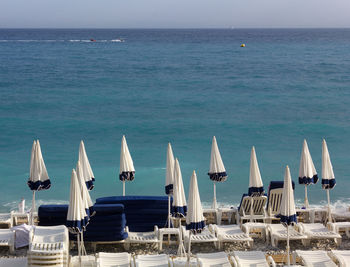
<point x="109" y="208"/>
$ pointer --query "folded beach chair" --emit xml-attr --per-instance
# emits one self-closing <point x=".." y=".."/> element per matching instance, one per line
<point x="6" y="220"/>
<point x="339" y="227"/>
<point x="7" y="238"/>
<point x="122" y="259"/>
<point x="259" y="205"/>
<point x="217" y="259"/>
<point x="274" y="200"/>
<point x="251" y="259"/>
<point x="315" y="258"/>
<point x="203" y="237"/>
<point x="342" y="257"/>
<point x="13" y="262"/>
<point x="160" y="260"/>
<point x="318" y="231"/>
<point x="141" y="237"/>
<point x="48" y="245"/>
<point x="230" y="233"/>
<point x="278" y="232"/>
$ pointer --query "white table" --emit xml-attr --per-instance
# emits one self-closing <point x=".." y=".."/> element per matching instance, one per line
<point x="168" y="231"/>
<point x="219" y="211"/>
<point x="248" y="228"/>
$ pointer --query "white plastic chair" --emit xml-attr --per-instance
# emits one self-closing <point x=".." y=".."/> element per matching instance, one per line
<point x="251" y="259"/>
<point x="122" y="259"/>
<point x="217" y="259"/>
<point x="203" y="237"/>
<point x="278" y="232"/>
<point x="160" y="260"/>
<point x="141" y="237"/>
<point x="7" y="238"/>
<point x="315" y="258"/>
<point x="48" y="245"/>
<point x="318" y="231"/>
<point x="342" y="257"/>
<point x="230" y="233"/>
<point x="259" y="213"/>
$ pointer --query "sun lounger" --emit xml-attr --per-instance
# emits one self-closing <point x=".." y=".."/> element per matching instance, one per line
<point x="86" y="261"/>
<point x="217" y="259"/>
<point x="113" y="259"/>
<point x="278" y="232"/>
<point x="315" y="258"/>
<point x="48" y="244"/>
<point x="318" y="231"/>
<point x="251" y="259"/>
<point x="339" y="227"/>
<point x="183" y="262"/>
<point x="230" y="233"/>
<point x="160" y="260"/>
<point x="13" y="262"/>
<point x="204" y="237"/>
<point x="6" y="219"/>
<point x="244" y="213"/>
<point x="255" y="229"/>
<point x="141" y="237"/>
<point x="342" y="257"/>
<point x="7" y="238"/>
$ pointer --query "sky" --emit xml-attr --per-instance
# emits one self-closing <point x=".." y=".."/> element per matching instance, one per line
<point x="174" y="13"/>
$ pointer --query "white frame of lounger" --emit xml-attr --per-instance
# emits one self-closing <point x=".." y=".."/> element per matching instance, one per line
<point x="139" y="260"/>
<point x="335" y="255"/>
<point x="8" y="221"/>
<point x="274" y="204"/>
<point x="340" y="226"/>
<point x="215" y="258"/>
<point x="258" y="255"/>
<point x="259" y="209"/>
<point x="324" y="234"/>
<point x="40" y="253"/>
<point x="7" y="239"/>
<point x="275" y="237"/>
<point x="206" y="236"/>
<point x="141" y="237"/>
<point x="13" y="262"/>
<point x="121" y="258"/>
<point x="219" y="231"/>
<point x="316" y="254"/>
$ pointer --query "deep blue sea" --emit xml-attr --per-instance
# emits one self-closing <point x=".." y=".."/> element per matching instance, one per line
<point x="178" y="86"/>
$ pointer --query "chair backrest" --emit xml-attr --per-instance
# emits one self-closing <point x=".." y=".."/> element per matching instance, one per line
<point x="216" y="257"/>
<point x="275" y="197"/>
<point x="311" y="258"/>
<point x="259" y="204"/>
<point x="152" y="260"/>
<point x="113" y="259"/>
<point x="50" y="234"/>
<point x="250" y="258"/>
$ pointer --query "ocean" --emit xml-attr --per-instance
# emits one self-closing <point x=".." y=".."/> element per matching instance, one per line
<point x="179" y="86"/>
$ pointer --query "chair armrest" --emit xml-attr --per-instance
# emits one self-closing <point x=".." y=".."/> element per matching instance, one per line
<point x="233" y="260"/>
<point x="331" y="226"/>
<point x="300" y="228"/>
<point x="211" y="228"/>
<point x="156" y="230"/>
<point x="270" y="261"/>
<point x="126" y="229"/>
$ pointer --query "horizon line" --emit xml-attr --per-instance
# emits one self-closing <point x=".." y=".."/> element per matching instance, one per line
<point x="168" y="28"/>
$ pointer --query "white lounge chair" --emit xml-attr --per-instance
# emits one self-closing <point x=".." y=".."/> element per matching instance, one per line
<point x="258" y="213"/>
<point x="122" y="259"/>
<point x="204" y="237"/>
<point x="339" y="227"/>
<point x="48" y="245"/>
<point x="278" y="232"/>
<point x="86" y="261"/>
<point x="160" y="260"/>
<point x="6" y="219"/>
<point x="13" y="262"/>
<point x="273" y="205"/>
<point x="7" y="238"/>
<point x="342" y="257"/>
<point x="251" y="259"/>
<point x="216" y="259"/>
<point x="318" y="231"/>
<point x="315" y="258"/>
<point x="141" y="237"/>
<point x="230" y="233"/>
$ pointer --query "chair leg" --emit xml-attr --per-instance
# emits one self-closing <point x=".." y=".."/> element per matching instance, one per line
<point x="127" y="246"/>
<point x="306" y="242"/>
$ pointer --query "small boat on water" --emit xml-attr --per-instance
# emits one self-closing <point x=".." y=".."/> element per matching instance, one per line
<point x="118" y="40"/>
<point x="92" y="40"/>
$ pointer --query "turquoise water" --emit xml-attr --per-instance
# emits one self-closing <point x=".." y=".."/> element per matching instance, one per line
<point x="182" y="86"/>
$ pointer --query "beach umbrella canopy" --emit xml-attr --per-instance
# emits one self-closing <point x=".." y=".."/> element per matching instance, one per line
<point x="307" y="171"/>
<point x="256" y="187"/>
<point x="169" y="178"/>
<point x="287" y="209"/>
<point x="126" y="170"/>
<point x="85" y="195"/>
<point x="328" y="178"/>
<point x="76" y="216"/>
<point x="87" y="173"/>
<point x="179" y="207"/>
<point x="217" y="172"/>
<point x="38" y="178"/>
<point x="194" y="218"/>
